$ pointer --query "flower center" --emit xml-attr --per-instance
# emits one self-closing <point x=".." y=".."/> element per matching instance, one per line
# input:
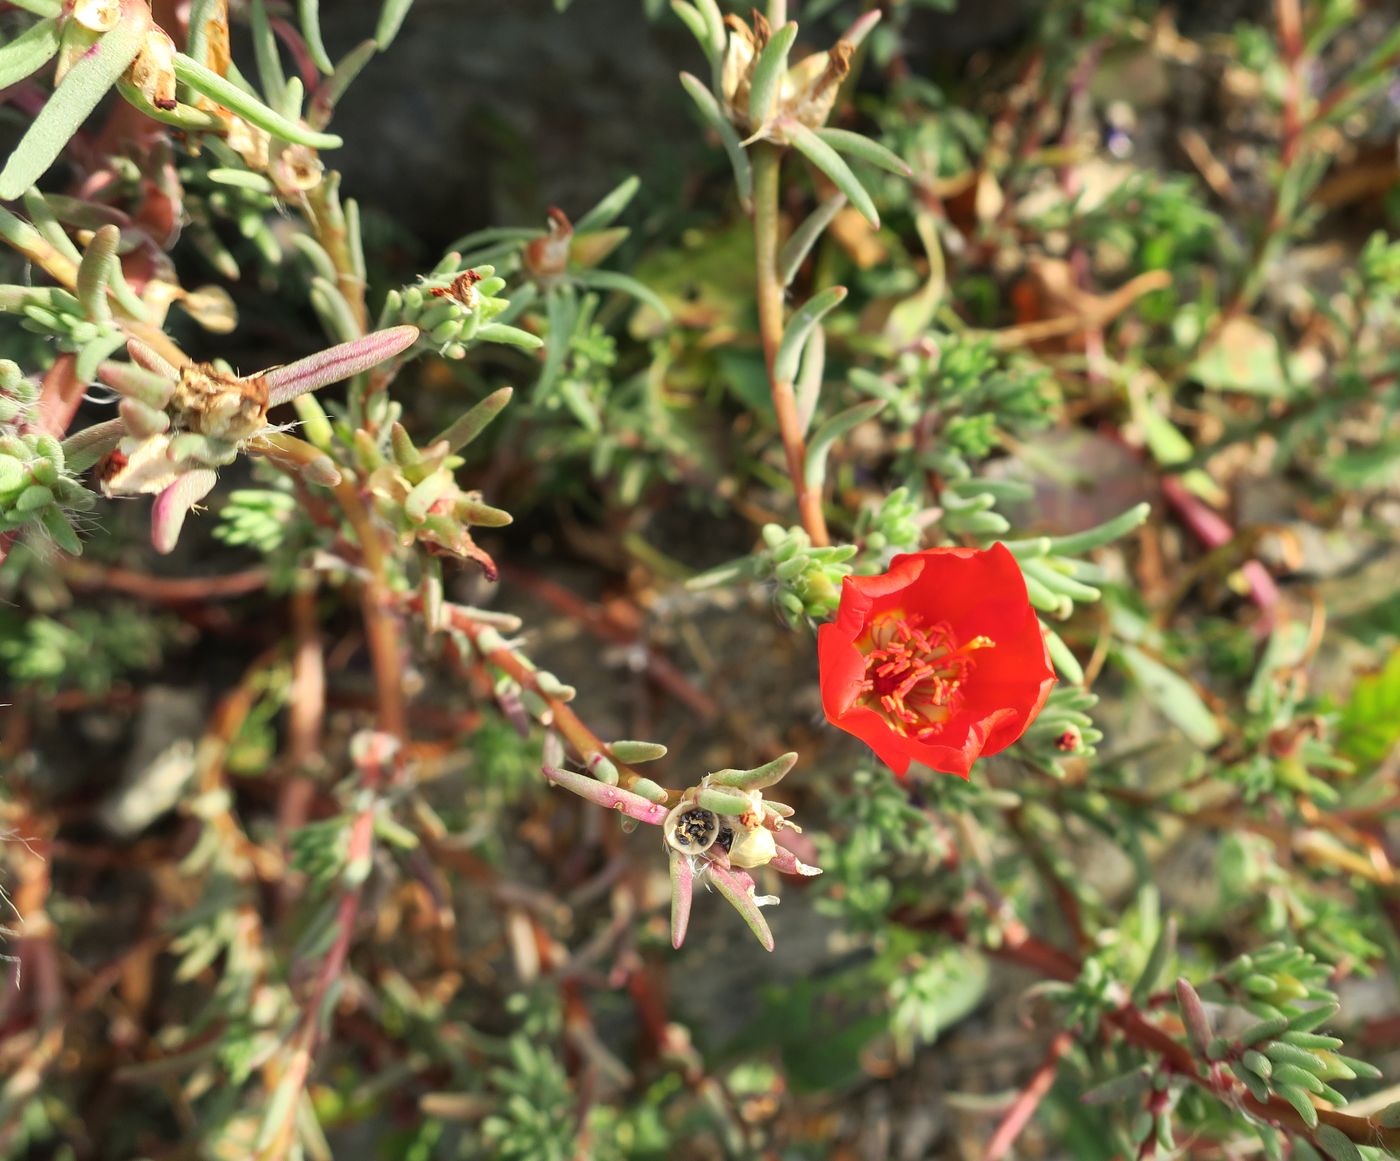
<point x="914" y="673"/>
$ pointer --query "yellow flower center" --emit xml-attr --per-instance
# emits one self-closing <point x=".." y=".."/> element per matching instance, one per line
<point x="914" y="675"/>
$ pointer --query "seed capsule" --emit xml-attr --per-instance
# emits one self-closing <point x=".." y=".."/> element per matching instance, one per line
<point x="691" y="829"/>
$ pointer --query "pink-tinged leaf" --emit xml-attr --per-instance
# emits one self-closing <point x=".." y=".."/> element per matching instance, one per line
<point x="84" y="448"/>
<point x="151" y="359"/>
<point x="789" y="864"/>
<point x="682" y="892"/>
<point x="1193" y="1015"/>
<point x="336" y="363"/>
<point x="738" y="888"/>
<point x="611" y="797"/>
<point x="861" y="28"/>
<point x="173" y="504"/>
<point x="77" y="95"/>
<point x="135" y="382"/>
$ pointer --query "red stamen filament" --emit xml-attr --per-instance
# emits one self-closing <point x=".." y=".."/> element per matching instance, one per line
<point x="914" y="675"/>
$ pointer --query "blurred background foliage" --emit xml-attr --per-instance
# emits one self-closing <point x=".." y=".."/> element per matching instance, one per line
<point x="1145" y="262"/>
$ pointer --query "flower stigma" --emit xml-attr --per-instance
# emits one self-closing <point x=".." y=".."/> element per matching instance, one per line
<point x="914" y="674"/>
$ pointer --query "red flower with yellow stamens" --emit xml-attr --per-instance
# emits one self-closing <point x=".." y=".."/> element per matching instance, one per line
<point x="940" y="660"/>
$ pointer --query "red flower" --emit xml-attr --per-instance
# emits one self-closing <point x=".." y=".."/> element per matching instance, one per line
<point x="940" y="660"/>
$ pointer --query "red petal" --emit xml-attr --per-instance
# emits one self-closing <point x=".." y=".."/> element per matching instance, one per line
<point x="841" y="665"/>
<point x="891" y="748"/>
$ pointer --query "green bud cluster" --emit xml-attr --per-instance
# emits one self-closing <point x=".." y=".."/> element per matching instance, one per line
<point x="892" y="527"/>
<point x="57" y="314"/>
<point x="1282" y="1054"/>
<point x="256" y="517"/>
<point x="808" y="579"/>
<point x="224" y="190"/>
<point x="463" y="315"/>
<point x="17" y="394"/>
<point x="37" y="489"/>
<point x="416" y="492"/>
<point x="1064" y="728"/>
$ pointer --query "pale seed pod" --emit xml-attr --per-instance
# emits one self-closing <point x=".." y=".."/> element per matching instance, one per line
<point x="753" y="846"/>
<point x="691" y="829"/>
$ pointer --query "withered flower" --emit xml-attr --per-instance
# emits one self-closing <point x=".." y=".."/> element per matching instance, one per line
<point x="805" y="94"/>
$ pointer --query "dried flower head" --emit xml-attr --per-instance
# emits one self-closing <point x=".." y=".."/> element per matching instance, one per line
<point x="219" y="405"/>
<point x="462" y="290"/>
<point x="97" y="15"/>
<point x="547" y="258"/>
<point x="806" y="92"/>
<point x="152" y="73"/>
<point x="690" y="828"/>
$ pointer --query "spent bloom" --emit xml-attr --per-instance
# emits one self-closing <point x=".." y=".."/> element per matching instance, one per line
<point x="177" y="425"/>
<point x="715" y="832"/>
<point x="805" y="92"/>
<point x="940" y="660"/>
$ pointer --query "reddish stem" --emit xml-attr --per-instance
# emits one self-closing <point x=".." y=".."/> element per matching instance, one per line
<point x="1018" y="1116"/>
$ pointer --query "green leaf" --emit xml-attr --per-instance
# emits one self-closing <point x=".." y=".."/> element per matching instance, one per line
<point x="1057" y="581"/>
<point x="30" y="51"/>
<point x="470" y="425"/>
<point x="714" y="117"/>
<point x="391" y="18"/>
<point x="606" y="211"/>
<point x="58" y="526"/>
<point x="95" y="271"/>
<point x="1336" y="1144"/>
<point x="330" y="91"/>
<point x="63" y="114"/>
<point x="737" y="887"/>
<point x="768" y="73"/>
<point x="826" y="159"/>
<point x="266" y="52"/>
<point x="706" y="25"/>
<point x="229" y="95"/>
<point x="309" y="14"/>
<point x="864" y="149"/>
<point x="829" y="432"/>
<point x="624" y="284"/>
<point x="910" y="318"/>
<point x="1077" y="543"/>
<point x="799" y="327"/>
<point x="1246" y="358"/>
<point x="200" y="14"/>
<point x="1173" y="696"/>
<point x="810" y="376"/>
<point x="690" y="16"/>
<point x="1370" y="723"/>
<point x="1065" y="661"/>
<point x="1163" y="948"/>
<point x="511" y="336"/>
<point x="797" y="247"/>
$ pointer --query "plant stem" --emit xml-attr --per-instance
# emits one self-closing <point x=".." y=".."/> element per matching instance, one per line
<point x="568" y="723"/>
<point x="1019" y="946"/>
<point x="376" y="595"/>
<point x="1018" y="1116"/>
<point x="328" y="223"/>
<point x="767" y="162"/>
<point x="28" y="242"/>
